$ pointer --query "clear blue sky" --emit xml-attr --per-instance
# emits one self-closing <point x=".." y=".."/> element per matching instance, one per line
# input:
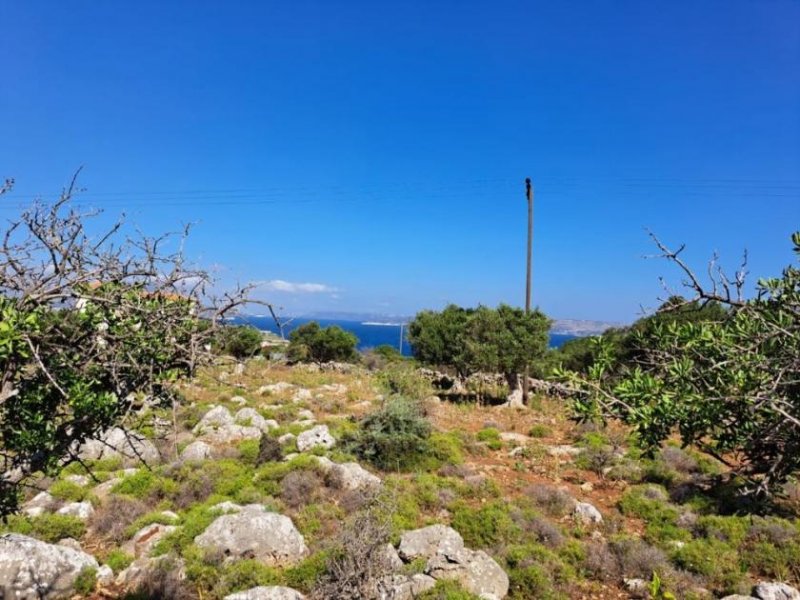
<point x="376" y="151"/>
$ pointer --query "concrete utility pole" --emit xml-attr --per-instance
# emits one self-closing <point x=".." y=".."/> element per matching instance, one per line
<point x="529" y="195"/>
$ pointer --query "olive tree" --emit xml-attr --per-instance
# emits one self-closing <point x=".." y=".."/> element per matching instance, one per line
<point x="501" y="340"/>
<point x="93" y="324"/>
<point x="730" y="386"/>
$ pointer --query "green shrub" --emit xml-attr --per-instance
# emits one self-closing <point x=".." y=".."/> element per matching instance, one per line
<point x="306" y="574"/>
<point x="86" y="581"/>
<point x="239" y="341"/>
<point x="404" y="380"/>
<point x="446" y="589"/>
<point x="312" y="343"/>
<point x="68" y="491"/>
<point x="395" y="437"/>
<point x="138" y="485"/>
<point x="485" y="526"/>
<point x="649" y="503"/>
<point x="54" y="527"/>
<point x="245" y="574"/>
<point x="539" y="431"/>
<point x="714" y="559"/>
<point x="118" y="560"/>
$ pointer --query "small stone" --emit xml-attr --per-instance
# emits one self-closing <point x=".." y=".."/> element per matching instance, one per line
<point x="587" y="513"/>
<point x="775" y="591"/>
<point x="239" y="400"/>
<point x="316" y="436"/>
<point x="286" y="438"/>
<point x="197" y="451"/>
<point x="105" y="575"/>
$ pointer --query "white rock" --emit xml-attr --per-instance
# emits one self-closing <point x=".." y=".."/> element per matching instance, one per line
<point x="301" y="395"/>
<point x="429" y="541"/>
<point x="240" y="400"/>
<point x="587" y="513"/>
<point x="131" y="447"/>
<point x="81" y="480"/>
<point x="286" y="438"/>
<point x="272" y="592"/>
<point x="564" y="450"/>
<point x="105" y="575"/>
<point x="275" y="388"/>
<point x="775" y="591"/>
<point x="197" y="451"/>
<point x="39" y="504"/>
<point x="316" y="436"/>
<point x="306" y="415"/>
<point x="82" y="510"/>
<point x="34" y="570"/>
<point x="352" y="476"/>
<point x="268" y="537"/>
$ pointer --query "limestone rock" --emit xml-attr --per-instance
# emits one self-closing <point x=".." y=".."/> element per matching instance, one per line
<point x="476" y="571"/>
<point x="268" y="537"/>
<point x="105" y="575"/>
<point x="404" y="587"/>
<point x="34" y="570"/>
<point x="39" y="504"/>
<point x="275" y="388"/>
<point x="250" y="417"/>
<point x="219" y="426"/>
<point x="429" y="541"/>
<point x="272" y="592"/>
<point x="144" y="540"/>
<point x="351" y="476"/>
<point x="775" y="591"/>
<point x="82" y="510"/>
<point x="301" y="395"/>
<point x="564" y="450"/>
<point x="131" y="447"/>
<point x="197" y="451"/>
<point x="316" y="436"/>
<point x="587" y="513"/>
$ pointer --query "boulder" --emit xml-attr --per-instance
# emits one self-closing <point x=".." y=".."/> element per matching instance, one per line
<point x="254" y="533"/>
<point x="429" y="541"/>
<point x="218" y="425"/>
<point x="301" y="395"/>
<point x="131" y="447"/>
<point x="39" y="504"/>
<point x="250" y="417"/>
<point x="82" y="510"/>
<point x="775" y="591"/>
<point x="144" y="540"/>
<point x="275" y="388"/>
<point x="476" y="571"/>
<point x="351" y="476"/>
<point x="238" y="400"/>
<point x="404" y="587"/>
<point x="105" y="575"/>
<point x="81" y="480"/>
<point x="271" y="592"/>
<point x="587" y="513"/>
<point x="316" y="436"/>
<point x="34" y="570"/>
<point x="143" y="569"/>
<point x="197" y="451"/>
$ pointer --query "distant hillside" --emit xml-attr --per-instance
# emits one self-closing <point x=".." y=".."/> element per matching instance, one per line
<point x="581" y="327"/>
<point x="576" y="327"/>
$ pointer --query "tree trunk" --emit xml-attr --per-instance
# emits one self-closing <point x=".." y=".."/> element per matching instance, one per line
<point x="515" y="392"/>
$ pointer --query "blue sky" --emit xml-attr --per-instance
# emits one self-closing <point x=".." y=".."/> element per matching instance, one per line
<point x="370" y="156"/>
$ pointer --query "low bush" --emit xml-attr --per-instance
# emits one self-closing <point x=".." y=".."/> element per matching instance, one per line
<point x="403" y="379"/>
<point x="68" y="491"/>
<point x="485" y="526"/>
<point x="394" y="438"/>
<point x="553" y="501"/>
<point x="299" y="488"/>
<point x="446" y="589"/>
<point x="239" y="341"/>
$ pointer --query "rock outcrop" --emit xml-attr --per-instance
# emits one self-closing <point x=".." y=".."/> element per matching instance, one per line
<point x="271" y="592"/>
<point x="254" y="533"/>
<point x="34" y="570"/>
<point x="131" y="447"/>
<point x="316" y="436"/>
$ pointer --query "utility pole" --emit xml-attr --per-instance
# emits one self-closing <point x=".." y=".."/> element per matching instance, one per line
<point x="401" y="338"/>
<point x="529" y="196"/>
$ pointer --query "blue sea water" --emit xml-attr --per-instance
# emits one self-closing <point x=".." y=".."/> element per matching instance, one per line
<point x="369" y="335"/>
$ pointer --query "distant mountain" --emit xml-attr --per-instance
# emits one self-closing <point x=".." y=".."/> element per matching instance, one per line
<point x="580" y="327"/>
<point x="577" y="327"/>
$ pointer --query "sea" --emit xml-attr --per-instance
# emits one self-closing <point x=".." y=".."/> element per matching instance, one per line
<point x="370" y="334"/>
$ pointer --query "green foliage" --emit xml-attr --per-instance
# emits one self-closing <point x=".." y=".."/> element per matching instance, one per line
<point x="47" y="527"/>
<point x="714" y="559"/>
<point x="118" y="560"/>
<point x="394" y="438"/>
<point x="86" y="581"/>
<point x="539" y="431"/>
<point x="491" y="437"/>
<point x="312" y="343"/>
<point x="486" y="525"/>
<point x="403" y="379"/>
<point x="239" y="341"/>
<point x="68" y="491"/>
<point x="447" y="589"/>
<point x="726" y="380"/>
<point x="501" y="340"/>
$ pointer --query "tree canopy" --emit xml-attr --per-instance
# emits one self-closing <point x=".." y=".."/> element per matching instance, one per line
<point x="730" y="385"/>
<point x="312" y="343"/>
<point x="92" y="326"/>
<point x="501" y="340"/>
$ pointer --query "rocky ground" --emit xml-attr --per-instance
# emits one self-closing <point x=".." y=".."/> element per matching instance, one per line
<point x="249" y="491"/>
